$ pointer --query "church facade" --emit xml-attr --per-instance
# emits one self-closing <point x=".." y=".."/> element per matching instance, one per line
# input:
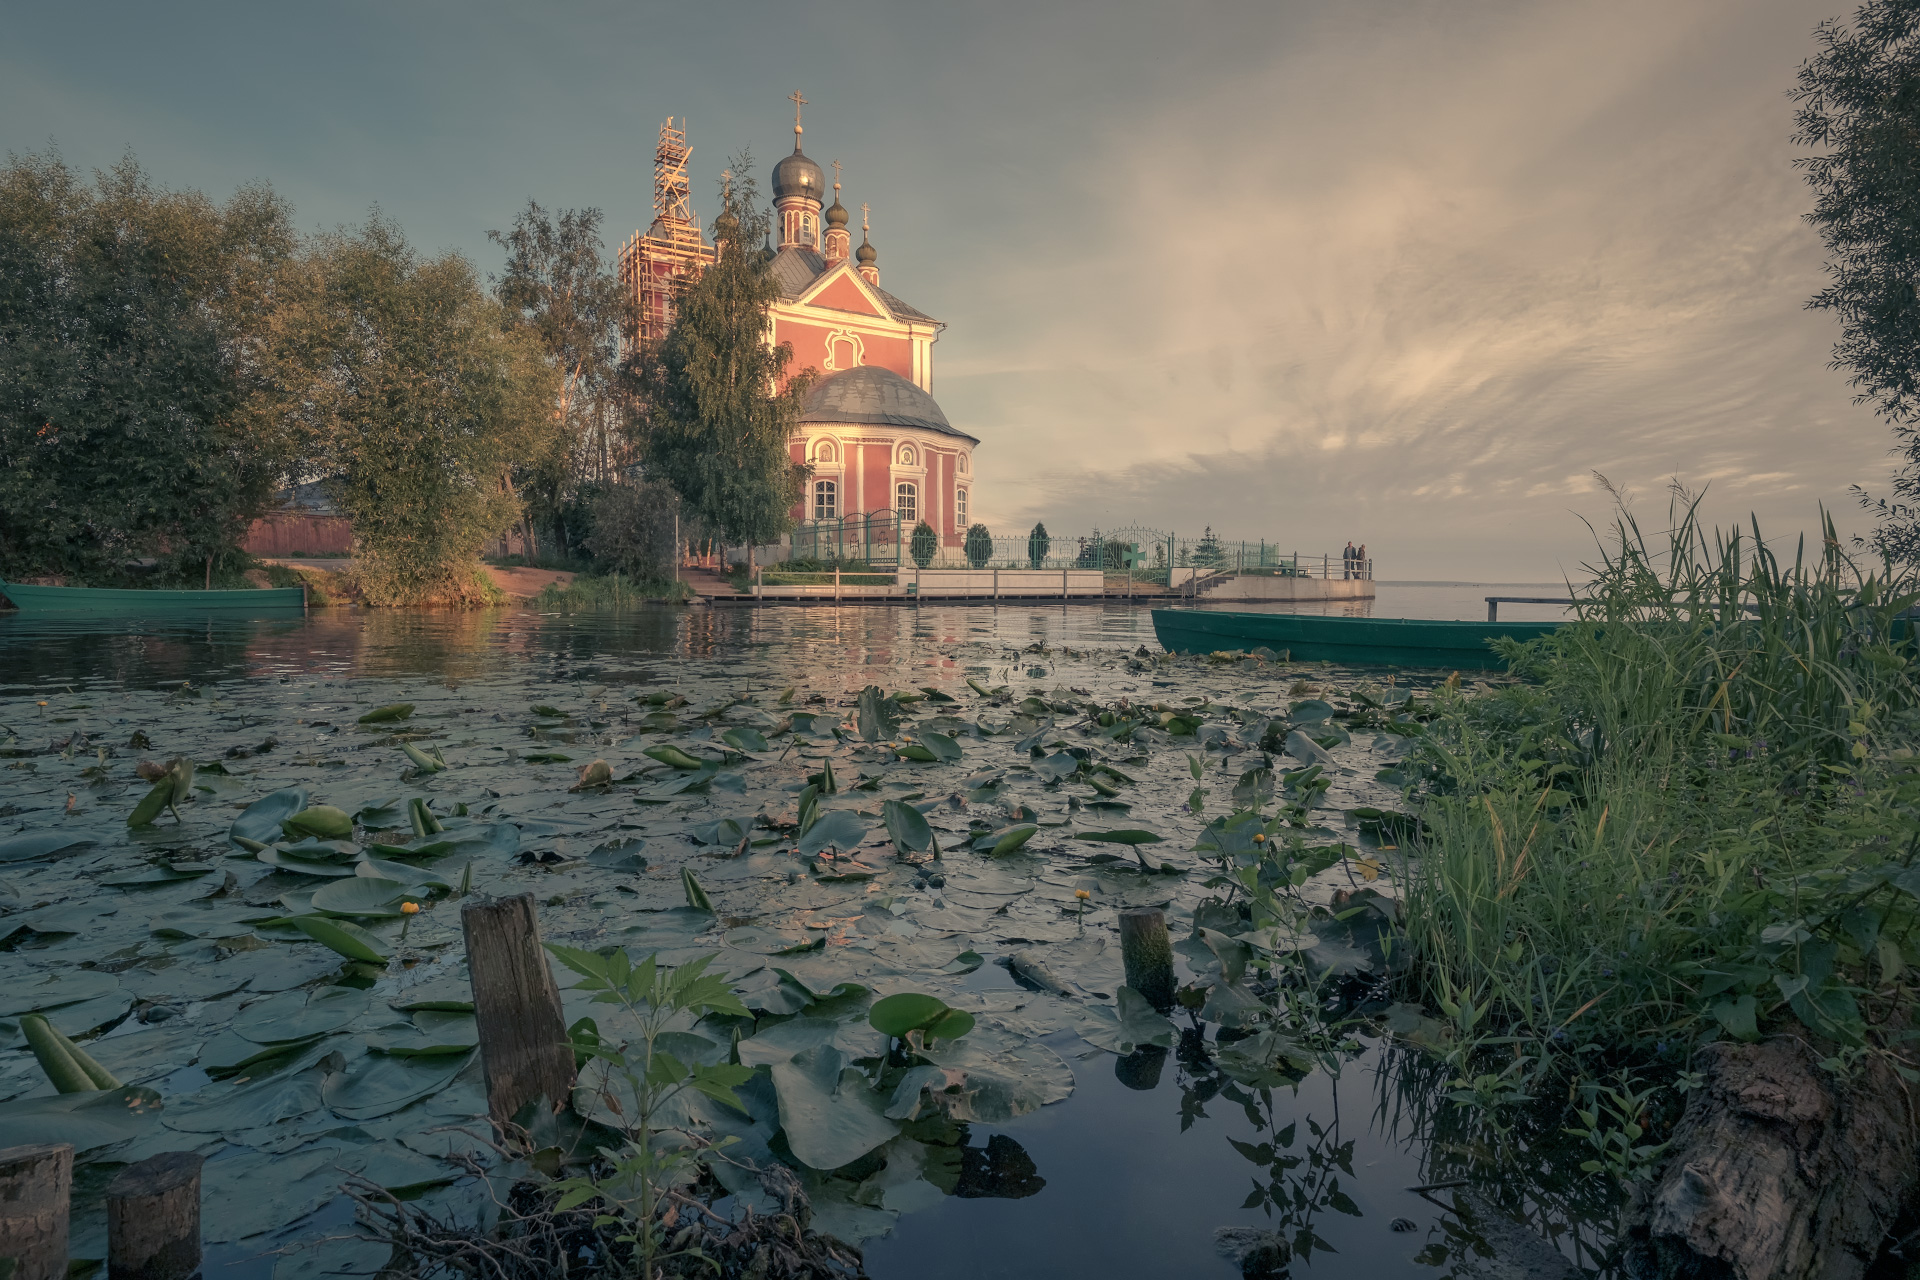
<point x="872" y="432"/>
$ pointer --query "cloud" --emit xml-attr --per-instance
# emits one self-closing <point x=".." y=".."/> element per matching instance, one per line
<point x="1412" y="288"/>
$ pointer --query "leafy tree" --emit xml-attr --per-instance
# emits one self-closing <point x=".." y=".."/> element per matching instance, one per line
<point x="1039" y="545"/>
<point x="1859" y="98"/>
<point x="979" y="546"/>
<point x="558" y="287"/>
<point x="633" y="529"/>
<point x="925" y="544"/>
<point x="426" y="402"/>
<point x="718" y="417"/>
<point x="146" y="371"/>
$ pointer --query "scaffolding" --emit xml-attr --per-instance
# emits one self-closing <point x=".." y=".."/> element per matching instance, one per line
<point x="652" y="262"/>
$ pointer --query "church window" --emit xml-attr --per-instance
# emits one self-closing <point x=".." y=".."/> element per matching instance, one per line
<point x="826" y="500"/>
<point x="963" y="464"/>
<point x="959" y="506"/>
<point x="906" y="501"/>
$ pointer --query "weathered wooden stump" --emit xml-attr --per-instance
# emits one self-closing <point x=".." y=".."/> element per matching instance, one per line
<point x="1778" y="1170"/>
<point x="1147" y="950"/>
<point x="153" y="1218"/>
<point x="35" y="1185"/>
<point x="523" y="1033"/>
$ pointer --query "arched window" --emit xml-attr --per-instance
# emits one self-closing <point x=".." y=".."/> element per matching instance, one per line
<point x="826" y="500"/>
<point x="963" y="464"/>
<point x="959" y="506"/>
<point x="907" y="455"/>
<point x="906" y="500"/>
<point x="825" y="452"/>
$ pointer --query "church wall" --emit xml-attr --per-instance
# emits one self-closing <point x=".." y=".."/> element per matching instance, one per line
<point x="809" y="341"/>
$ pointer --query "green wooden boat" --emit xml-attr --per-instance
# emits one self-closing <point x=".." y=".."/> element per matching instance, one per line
<point x="108" y="600"/>
<point x="1310" y="637"/>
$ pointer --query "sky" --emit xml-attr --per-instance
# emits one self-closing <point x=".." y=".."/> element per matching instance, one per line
<point x="1403" y="273"/>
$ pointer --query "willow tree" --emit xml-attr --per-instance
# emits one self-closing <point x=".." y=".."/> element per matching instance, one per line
<point x="427" y="402"/>
<point x="717" y="415"/>
<point x="145" y="376"/>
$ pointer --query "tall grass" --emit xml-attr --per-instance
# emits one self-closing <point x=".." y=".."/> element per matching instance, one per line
<point x="611" y="591"/>
<point x="1695" y="818"/>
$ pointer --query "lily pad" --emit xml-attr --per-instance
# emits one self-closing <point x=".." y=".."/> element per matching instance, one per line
<point x="837" y="829"/>
<point x="87" y="1120"/>
<point x="30" y="845"/>
<point x="828" y="1113"/>
<point x="363" y="896"/>
<point x="380" y="1084"/>
<point x="294" y="1015"/>
<point x="260" y="822"/>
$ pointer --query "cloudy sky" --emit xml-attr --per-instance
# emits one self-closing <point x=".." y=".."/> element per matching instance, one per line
<point x="1401" y="272"/>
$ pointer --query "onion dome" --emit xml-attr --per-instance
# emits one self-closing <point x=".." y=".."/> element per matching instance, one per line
<point x="866" y="253"/>
<point x="836" y="212"/>
<point x="797" y="176"/>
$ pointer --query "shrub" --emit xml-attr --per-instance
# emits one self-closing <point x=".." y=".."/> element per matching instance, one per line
<point x="632" y="530"/>
<point x="925" y="544"/>
<point x="979" y="547"/>
<point x="1038" y="546"/>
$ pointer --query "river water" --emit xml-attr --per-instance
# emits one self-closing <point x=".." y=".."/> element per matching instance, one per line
<point x="1128" y="1175"/>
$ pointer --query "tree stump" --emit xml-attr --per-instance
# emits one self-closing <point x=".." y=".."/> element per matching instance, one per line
<point x="1778" y="1170"/>
<point x="153" y="1218"/>
<point x="35" y="1185"/>
<point x="1147" y="950"/>
<point x="523" y="1034"/>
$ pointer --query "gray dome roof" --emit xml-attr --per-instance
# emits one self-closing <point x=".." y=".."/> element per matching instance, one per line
<point x="874" y="396"/>
<point x="798" y="176"/>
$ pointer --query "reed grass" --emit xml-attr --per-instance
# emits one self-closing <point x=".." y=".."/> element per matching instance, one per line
<point x="611" y="591"/>
<point x="1696" y="816"/>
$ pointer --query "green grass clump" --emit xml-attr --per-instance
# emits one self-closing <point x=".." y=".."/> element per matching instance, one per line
<point x="1696" y="817"/>
<point x="608" y="591"/>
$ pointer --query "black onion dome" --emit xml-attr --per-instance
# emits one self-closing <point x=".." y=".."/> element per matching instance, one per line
<point x="836" y="213"/>
<point x="798" y="176"/>
<point x="872" y="396"/>
<point x="866" y="253"/>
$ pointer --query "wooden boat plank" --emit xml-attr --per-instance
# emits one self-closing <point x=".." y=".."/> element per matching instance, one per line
<point x="1403" y="642"/>
<point x="28" y="598"/>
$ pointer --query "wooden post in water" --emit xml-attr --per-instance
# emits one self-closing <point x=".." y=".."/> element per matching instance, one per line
<point x="523" y="1033"/>
<point x="153" y="1218"/>
<point x="35" y="1185"/>
<point x="1147" y="950"/>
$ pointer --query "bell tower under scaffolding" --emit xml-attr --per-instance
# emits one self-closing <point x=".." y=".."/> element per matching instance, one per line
<point x="652" y="262"/>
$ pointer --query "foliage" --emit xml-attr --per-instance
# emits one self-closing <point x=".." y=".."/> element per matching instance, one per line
<point x="713" y="431"/>
<point x="633" y="529"/>
<point x="640" y="1080"/>
<point x="1039" y="545"/>
<point x="1698" y="819"/>
<point x="608" y="591"/>
<point x="146" y="376"/>
<point x="425" y="404"/>
<point x="557" y="286"/>
<point x="1857" y="97"/>
<point x="925" y="544"/>
<point x="979" y="546"/>
<point x="1207" y="553"/>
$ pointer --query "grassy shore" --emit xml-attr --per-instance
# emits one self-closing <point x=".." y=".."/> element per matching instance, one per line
<point x="610" y="591"/>
<point x="1697" y="817"/>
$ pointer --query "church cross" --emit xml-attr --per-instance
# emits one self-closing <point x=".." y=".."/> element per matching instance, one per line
<point x="798" y="102"/>
<point x="863" y="216"/>
<point x="836" y="175"/>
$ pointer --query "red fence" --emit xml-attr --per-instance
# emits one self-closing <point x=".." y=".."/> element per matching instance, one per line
<point x="283" y="533"/>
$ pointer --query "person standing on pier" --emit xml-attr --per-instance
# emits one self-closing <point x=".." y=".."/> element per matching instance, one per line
<point x="1361" y="568"/>
<point x="1346" y="561"/>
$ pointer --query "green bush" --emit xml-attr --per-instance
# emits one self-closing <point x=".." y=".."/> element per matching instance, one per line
<point x="979" y="546"/>
<point x="925" y="545"/>
<point x="1039" y="545"/>
<point x="632" y="530"/>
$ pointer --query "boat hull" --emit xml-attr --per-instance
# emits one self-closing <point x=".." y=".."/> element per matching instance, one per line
<point x="1307" y="637"/>
<point x="110" y="600"/>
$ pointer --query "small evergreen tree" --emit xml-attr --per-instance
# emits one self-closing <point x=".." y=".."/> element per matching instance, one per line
<point x="925" y="544"/>
<point x="979" y="547"/>
<point x="1038" y="546"/>
<point x="712" y="428"/>
<point x="1206" y="552"/>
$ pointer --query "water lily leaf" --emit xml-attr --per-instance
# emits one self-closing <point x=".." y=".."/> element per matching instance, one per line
<point x="829" y="1115"/>
<point x="696" y="895"/>
<point x="1001" y="1086"/>
<point x="1121" y="837"/>
<point x="359" y="895"/>
<point x="668" y="754"/>
<point x="546" y="757"/>
<point x="350" y="940"/>
<point x="907" y="826"/>
<point x="380" y="1084"/>
<point x="1061" y="764"/>
<point x="1311" y="711"/>
<point x="1254" y="789"/>
<point x="295" y="1015"/>
<point x="876" y="716"/>
<point x="741" y="738"/>
<point x="29" y="845"/>
<point x="290" y="1092"/>
<point x="727" y="832"/>
<point x="1266" y="1060"/>
<point x="87" y="1120"/>
<point x="229" y="1054"/>
<point x="1011" y="839"/>
<point x="966" y="962"/>
<point x="309" y="858"/>
<point x="470" y="840"/>
<point x="908" y="1011"/>
<point x="196" y="922"/>
<point x="152" y="803"/>
<point x="160" y="874"/>
<point x="1132" y="1023"/>
<point x="836" y="829"/>
<point x="620" y="855"/>
<point x="387" y="714"/>
<point x="54" y="990"/>
<point x="321" y="821"/>
<point x="434" y="1034"/>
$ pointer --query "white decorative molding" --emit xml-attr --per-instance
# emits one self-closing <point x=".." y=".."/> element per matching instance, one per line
<point x="834" y="339"/>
